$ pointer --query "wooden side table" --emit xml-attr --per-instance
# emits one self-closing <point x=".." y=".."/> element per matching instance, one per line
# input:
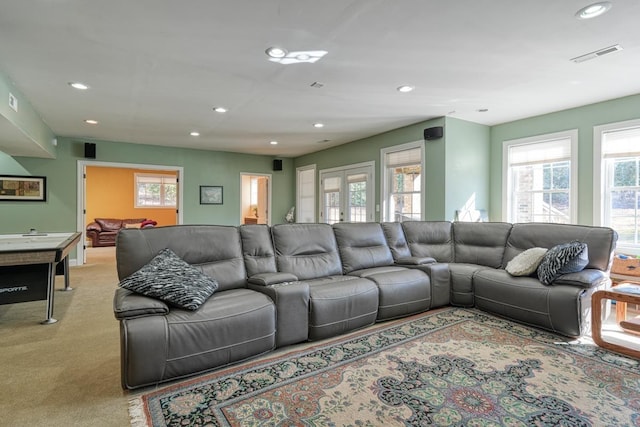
<point x="621" y="298"/>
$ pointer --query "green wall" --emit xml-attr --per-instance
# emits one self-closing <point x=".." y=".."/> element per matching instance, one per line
<point x="26" y="121"/>
<point x="457" y="165"/>
<point x="582" y="118"/>
<point x="201" y="167"/>
<point x="467" y="167"/>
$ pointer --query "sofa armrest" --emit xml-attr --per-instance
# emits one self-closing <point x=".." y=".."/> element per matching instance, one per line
<point x="415" y="260"/>
<point x="127" y="305"/>
<point x="94" y="226"/>
<point x="268" y="279"/>
<point x="587" y="278"/>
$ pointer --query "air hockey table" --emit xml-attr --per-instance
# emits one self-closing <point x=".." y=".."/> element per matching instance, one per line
<point x="29" y="264"/>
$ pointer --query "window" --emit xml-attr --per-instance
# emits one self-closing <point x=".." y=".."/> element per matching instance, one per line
<point x="540" y="174"/>
<point x="346" y="194"/>
<point x="617" y="149"/>
<point x="402" y="168"/>
<point x="155" y="190"/>
<point x="306" y="194"/>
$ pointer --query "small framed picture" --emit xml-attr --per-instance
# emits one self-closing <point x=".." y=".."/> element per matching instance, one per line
<point x="210" y="195"/>
<point x="23" y="188"/>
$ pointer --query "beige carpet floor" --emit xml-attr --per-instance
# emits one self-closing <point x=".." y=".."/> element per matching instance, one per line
<point x="67" y="373"/>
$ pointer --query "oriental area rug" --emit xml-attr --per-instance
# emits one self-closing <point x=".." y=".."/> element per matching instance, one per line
<point x="449" y="367"/>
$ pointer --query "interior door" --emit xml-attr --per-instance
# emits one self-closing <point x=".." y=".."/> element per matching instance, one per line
<point x="347" y="195"/>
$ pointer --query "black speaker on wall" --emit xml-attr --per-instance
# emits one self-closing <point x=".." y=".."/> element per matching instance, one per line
<point x="89" y="150"/>
<point x="433" y="133"/>
<point x="277" y="164"/>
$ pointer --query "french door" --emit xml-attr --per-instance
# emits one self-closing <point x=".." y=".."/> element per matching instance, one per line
<point x="347" y="194"/>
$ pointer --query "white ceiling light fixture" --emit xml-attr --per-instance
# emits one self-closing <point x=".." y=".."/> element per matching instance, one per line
<point x="296" y="57"/>
<point x="195" y="133"/>
<point x="78" y="85"/>
<point x="273" y="142"/>
<point x="593" y="10"/>
<point x="318" y="125"/>
<point x="91" y="122"/>
<point x="276" y="52"/>
<point x="405" y="88"/>
<point x="220" y="109"/>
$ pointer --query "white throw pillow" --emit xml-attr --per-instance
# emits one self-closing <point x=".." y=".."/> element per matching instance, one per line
<point x="526" y="263"/>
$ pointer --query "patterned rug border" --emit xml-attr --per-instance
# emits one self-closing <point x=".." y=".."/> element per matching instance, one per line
<point x="141" y="404"/>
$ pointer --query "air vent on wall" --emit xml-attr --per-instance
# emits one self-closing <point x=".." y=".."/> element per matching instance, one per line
<point x="597" y="53"/>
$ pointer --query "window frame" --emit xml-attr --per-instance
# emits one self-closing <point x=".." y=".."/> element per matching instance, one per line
<point x="161" y="176"/>
<point x="600" y="178"/>
<point x="385" y="187"/>
<point x="572" y="135"/>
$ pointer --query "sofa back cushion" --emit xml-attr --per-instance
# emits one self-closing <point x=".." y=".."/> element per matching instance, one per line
<point x="601" y="241"/>
<point x="430" y="239"/>
<point x="257" y="249"/>
<point x="109" y="224"/>
<point x="480" y="243"/>
<point x="362" y="245"/>
<point x="213" y="249"/>
<point x="307" y="250"/>
<point x="396" y="240"/>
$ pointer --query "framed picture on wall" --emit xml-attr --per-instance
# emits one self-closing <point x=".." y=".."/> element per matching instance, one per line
<point x="19" y="188"/>
<point x="210" y="195"/>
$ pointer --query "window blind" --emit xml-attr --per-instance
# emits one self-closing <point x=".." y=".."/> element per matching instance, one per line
<point x="621" y="143"/>
<point x="540" y="152"/>
<point x="403" y="158"/>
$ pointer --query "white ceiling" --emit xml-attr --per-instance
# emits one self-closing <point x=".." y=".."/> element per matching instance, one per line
<point x="156" y="68"/>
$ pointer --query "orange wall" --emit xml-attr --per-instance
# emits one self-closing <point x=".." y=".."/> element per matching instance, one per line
<point x="110" y="194"/>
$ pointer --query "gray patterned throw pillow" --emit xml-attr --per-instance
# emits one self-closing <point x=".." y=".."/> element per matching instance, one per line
<point x="563" y="259"/>
<point x="171" y="279"/>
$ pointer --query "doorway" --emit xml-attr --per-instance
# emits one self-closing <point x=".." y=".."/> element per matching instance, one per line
<point x="82" y="209"/>
<point x="347" y="194"/>
<point x="255" y="198"/>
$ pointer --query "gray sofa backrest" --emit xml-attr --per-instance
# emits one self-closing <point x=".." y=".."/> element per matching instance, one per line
<point x="480" y="243"/>
<point x="430" y="239"/>
<point x="307" y="250"/>
<point x="361" y="245"/>
<point x="601" y="241"/>
<point x="396" y="240"/>
<point x="257" y="249"/>
<point x="214" y="249"/>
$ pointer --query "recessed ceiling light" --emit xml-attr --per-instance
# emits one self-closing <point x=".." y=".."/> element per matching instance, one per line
<point x="593" y="10"/>
<point x="220" y="109"/>
<point x="91" y="122"/>
<point x="405" y="88"/>
<point x="273" y="142"/>
<point x="78" y="85"/>
<point x="318" y="125"/>
<point x="276" y="52"/>
<point x="194" y="133"/>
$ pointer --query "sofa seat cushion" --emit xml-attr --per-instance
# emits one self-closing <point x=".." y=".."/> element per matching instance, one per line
<point x="366" y="272"/>
<point x="338" y="304"/>
<point x="402" y="292"/>
<point x="229" y="327"/>
<point x="461" y="276"/>
<point x="555" y="308"/>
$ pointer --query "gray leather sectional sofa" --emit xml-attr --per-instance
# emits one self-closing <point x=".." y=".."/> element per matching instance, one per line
<point x="291" y="283"/>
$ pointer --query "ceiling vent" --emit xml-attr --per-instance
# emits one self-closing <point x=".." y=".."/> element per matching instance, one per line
<point x="597" y="53"/>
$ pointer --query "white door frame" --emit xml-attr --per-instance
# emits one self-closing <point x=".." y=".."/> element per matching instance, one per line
<point x="269" y="191"/>
<point x="368" y="167"/>
<point x="82" y="196"/>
